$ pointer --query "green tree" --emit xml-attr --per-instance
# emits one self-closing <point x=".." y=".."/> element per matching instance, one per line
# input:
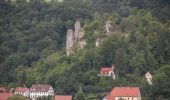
<point x="121" y="62"/>
<point x="80" y="94"/>
<point x="45" y="98"/>
<point x="17" y="97"/>
<point x="161" y="76"/>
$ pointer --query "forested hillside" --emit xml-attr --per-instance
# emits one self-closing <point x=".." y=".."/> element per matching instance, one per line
<point x="33" y="42"/>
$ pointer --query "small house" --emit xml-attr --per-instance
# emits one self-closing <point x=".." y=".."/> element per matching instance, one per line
<point x="22" y="91"/>
<point x="41" y="90"/>
<point x="107" y="71"/>
<point x="124" y="93"/>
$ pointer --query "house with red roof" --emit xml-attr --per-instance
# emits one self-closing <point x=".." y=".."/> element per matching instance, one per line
<point x="22" y="91"/>
<point x="3" y="90"/>
<point x="125" y="93"/>
<point x="107" y="71"/>
<point x="41" y="90"/>
<point x="5" y="96"/>
<point x="63" y="97"/>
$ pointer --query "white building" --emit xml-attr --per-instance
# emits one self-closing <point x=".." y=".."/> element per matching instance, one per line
<point x="148" y="77"/>
<point x="22" y="91"/>
<point x="41" y="90"/>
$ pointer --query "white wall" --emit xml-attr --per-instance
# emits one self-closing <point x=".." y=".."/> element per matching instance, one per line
<point x="127" y="98"/>
<point x="40" y="94"/>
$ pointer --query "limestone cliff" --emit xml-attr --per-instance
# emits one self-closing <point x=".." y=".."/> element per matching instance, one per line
<point x="109" y="27"/>
<point x="75" y="40"/>
<point x="79" y="32"/>
<point x="70" y="42"/>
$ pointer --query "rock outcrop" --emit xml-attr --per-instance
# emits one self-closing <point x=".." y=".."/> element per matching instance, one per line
<point x="79" y="35"/>
<point x="70" y="42"/>
<point x="109" y="27"/>
<point x="77" y="27"/>
<point x="98" y="42"/>
<point x="75" y="40"/>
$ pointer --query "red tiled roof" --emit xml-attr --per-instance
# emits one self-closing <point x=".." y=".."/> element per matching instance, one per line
<point x="5" y="96"/>
<point x="3" y="90"/>
<point x="63" y="97"/>
<point x="21" y="89"/>
<point x="40" y="88"/>
<point x="106" y="69"/>
<point x="124" y="92"/>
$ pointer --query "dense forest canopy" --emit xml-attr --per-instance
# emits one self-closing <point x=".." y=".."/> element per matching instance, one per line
<point x="33" y="38"/>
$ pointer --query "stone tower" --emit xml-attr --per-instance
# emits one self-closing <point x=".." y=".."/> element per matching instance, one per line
<point x="70" y="42"/>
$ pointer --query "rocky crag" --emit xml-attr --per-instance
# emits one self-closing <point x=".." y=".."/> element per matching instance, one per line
<point x="75" y="39"/>
<point x="110" y="28"/>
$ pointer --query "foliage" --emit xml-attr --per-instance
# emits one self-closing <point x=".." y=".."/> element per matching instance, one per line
<point x="80" y="95"/>
<point x="17" y="97"/>
<point x="32" y="45"/>
<point x="45" y="98"/>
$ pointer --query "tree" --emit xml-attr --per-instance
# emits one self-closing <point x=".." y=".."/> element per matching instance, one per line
<point x="161" y="76"/>
<point x="80" y="95"/>
<point x="17" y="97"/>
<point x="149" y="57"/>
<point x="121" y="62"/>
<point x="45" y="98"/>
